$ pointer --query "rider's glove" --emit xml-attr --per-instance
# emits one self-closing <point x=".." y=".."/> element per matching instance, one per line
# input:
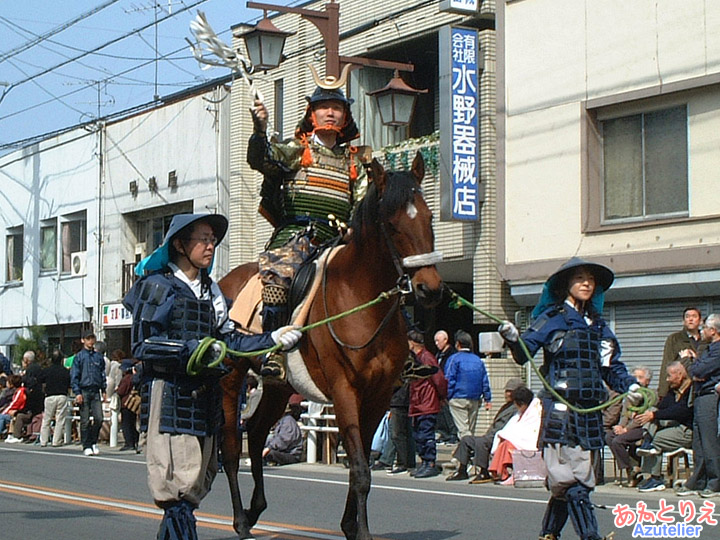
<point x="287" y="336"/>
<point x="509" y="332"/>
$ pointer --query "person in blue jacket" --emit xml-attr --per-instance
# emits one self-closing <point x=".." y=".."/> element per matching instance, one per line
<point x="88" y="383"/>
<point x="580" y="354"/>
<point x="174" y="305"/>
<point x="468" y="384"/>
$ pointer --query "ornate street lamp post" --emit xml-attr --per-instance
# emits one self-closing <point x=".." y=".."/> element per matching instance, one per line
<point x="397" y="99"/>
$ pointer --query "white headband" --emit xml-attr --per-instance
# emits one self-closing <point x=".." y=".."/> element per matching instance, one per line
<point x="423" y="259"/>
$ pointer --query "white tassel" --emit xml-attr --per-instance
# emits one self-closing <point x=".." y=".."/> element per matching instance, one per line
<point x="209" y="45"/>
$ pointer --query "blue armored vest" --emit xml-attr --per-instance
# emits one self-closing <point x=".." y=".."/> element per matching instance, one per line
<point x="190" y="405"/>
<point x="573" y="368"/>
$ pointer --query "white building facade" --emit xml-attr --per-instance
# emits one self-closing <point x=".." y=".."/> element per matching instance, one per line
<point x="49" y="218"/>
<point x="79" y="209"/>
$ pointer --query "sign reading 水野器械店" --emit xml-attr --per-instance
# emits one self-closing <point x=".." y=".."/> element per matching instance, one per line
<point x="459" y="132"/>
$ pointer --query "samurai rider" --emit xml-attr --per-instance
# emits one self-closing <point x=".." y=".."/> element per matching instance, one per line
<point x="174" y="305"/>
<point x="311" y="185"/>
<point x="580" y="353"/>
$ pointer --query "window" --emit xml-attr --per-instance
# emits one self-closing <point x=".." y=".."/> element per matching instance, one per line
<point x="152" y="231"/>
<point x="645" y="164"/>
<point x="14" y="254"/>
<point x="73" y="233"/>
<point x="48" y="245"/>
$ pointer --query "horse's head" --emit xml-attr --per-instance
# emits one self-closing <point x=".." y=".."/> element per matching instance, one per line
<point x="406" y="224"/>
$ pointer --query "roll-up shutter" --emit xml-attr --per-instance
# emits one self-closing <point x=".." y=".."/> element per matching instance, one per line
<point x="642" y="328"/>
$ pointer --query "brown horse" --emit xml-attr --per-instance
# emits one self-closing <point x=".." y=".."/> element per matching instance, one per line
<point x="355" y="361"/>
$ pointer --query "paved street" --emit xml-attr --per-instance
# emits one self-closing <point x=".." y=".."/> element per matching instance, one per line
<point x="60" y="494"/>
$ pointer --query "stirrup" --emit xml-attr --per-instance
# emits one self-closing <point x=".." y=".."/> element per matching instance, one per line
<point x="548" y="536"/>
<point x="273" y="367"/>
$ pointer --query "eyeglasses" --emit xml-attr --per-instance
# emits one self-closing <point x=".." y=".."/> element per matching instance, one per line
<point x="207" y="240"/>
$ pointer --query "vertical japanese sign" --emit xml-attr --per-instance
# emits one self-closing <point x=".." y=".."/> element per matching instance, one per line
<point x="461" y="195"/>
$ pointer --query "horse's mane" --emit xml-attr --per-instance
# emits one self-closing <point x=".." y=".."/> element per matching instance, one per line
<point x="376" y="208"/>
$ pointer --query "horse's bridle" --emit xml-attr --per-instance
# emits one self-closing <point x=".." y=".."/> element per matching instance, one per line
<point x="403" y="285"/>
<point x="411" y="261"/>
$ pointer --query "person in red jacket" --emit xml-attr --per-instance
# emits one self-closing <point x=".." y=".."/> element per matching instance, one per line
<point x="16" y="405"/>
<point x="425" y="397"/>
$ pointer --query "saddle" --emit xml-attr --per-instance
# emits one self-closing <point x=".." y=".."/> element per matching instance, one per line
<point x="246" y="308"/>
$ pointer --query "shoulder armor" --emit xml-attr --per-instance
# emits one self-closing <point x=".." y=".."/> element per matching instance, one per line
<point x="154" y="292"/>
<point x="545" y="317"/>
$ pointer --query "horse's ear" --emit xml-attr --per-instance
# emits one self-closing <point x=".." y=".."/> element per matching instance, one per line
<point x="418" y="167"/>
<point x="378" y="175"/>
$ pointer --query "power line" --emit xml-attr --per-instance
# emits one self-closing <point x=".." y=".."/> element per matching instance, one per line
<point x="25" y="46"/>
<point x="120" y="74"/>
<point x="100" y="47"/>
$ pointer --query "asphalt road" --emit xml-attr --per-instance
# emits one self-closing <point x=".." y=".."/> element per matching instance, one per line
<point x="61" y="494"/>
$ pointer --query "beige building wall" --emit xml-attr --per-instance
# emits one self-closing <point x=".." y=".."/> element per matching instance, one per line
<point x="567" y="61"/>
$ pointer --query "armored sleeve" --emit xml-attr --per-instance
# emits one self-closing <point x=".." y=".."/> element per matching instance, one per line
<point x="151" y="303"/>
<point x="538" y="335"/>
<point x="274" y="160"/>
<point x="238" y="341"/>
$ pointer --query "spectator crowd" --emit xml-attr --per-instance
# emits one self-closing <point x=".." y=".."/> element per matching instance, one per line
<point x="436" y="402"/>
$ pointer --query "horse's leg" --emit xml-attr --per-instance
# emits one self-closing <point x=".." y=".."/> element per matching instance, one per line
<point x="232" y="448"/>
<point x="356" y="440"/>
<point x="269" y="411"/>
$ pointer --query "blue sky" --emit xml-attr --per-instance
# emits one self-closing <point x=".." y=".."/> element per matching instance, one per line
<point x="115" y="78"/>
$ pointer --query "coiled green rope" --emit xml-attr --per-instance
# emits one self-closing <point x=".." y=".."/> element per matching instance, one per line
<point x="649" y="398"/>
<point x="196" y="364"/>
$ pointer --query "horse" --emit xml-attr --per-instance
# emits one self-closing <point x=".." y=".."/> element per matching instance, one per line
<point x="354" y="361"/>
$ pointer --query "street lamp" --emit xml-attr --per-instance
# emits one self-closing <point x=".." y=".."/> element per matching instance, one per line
<point x="397" y="99"/>
<point x="265" y="44"/>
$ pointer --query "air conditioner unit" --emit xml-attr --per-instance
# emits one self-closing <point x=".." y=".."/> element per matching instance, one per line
<point x="78" y="263"/>
<point x="141" y="249"/>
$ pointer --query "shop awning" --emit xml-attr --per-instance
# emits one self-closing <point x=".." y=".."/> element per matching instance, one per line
<point x="8" y="336"/>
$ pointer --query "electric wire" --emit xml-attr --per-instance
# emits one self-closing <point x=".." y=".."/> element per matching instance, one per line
<point x="39" y="38"/>
<point x="98" y="48"/>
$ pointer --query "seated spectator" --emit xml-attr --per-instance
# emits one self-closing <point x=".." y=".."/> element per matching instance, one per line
<point x="285" y="445"/>
<point x="16" y="405"/>
<point x="35" y="396"/>
<point x="667" y="427"/>
<point x="520" y="433"/>
<point x="623" y="436"/>
<point x="705" y="373"/>
<point x="478" y="448"/>
<point x="57" y="385"/>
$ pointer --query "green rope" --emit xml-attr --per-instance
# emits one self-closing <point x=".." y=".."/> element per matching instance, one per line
<point x="196" y="364"/>
<point x="649" y="398"/>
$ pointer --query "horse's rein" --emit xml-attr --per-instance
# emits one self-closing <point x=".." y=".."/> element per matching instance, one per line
<point x="386" y="319"/>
